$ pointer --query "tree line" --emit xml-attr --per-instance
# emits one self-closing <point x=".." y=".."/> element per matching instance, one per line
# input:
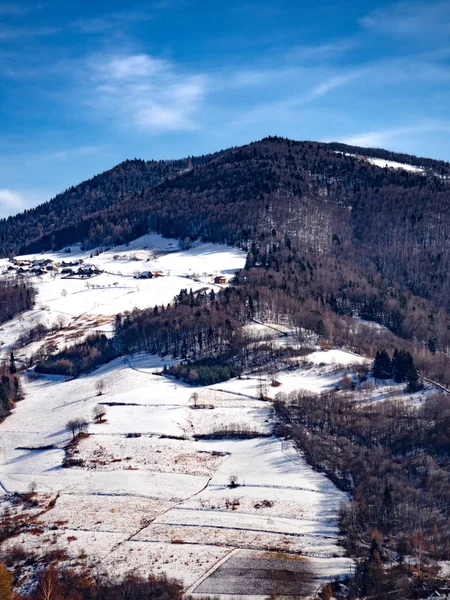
<point x="393" y="457"/>
<point x="62" y="583"/>
<point x="16" y="296"/>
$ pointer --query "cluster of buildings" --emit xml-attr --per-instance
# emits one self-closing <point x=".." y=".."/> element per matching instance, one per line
<point x="41" y="266"/>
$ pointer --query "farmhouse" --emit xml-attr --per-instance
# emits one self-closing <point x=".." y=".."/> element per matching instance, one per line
<point x="88" y="271"/>
<point x="220" y="279"/>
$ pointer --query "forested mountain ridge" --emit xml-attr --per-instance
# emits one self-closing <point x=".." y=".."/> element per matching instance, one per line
<point x="276" y="197"/>
<point x="78" y="202"/>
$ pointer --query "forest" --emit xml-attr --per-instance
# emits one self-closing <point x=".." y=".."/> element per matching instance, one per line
<point x="16" y="296"/>
<point x="207" y="332"/>
<point x="393" y="458"/>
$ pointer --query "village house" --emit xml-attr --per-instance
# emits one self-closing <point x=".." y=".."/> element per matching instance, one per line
<point x="88" y="271"/>
<point x="220" y="279"/>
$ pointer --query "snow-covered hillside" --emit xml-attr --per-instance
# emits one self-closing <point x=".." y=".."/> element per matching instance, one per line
<point x="74" y="305"/>
<point x="383" y="163"/>
<point x="149" y="488"/>
<point x="162" y="501"/>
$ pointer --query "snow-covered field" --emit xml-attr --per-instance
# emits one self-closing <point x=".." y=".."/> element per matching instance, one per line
<point x="158" y="503"/>
<point x="76" y="306"/>
<point x="142" y="493"/>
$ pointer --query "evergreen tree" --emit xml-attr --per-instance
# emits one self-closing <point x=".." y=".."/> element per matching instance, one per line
<point x="321" y="329"/>
<point x="401" y="363"/>
<point x="382" y="365"/>
<point x="4" y="400"/>
<point x="17" y="392"/>
<point x="12" y="364"/>
<point x="413" y="384"/>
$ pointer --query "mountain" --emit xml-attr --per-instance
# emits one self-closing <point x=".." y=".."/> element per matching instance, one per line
<point x="275" y="196"/>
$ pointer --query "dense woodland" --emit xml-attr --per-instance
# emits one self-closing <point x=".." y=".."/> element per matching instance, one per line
<point x="16" y="296"/>
<point x="393" y="457"/>
<point x="83" y="357"/>
<point x="10" y="388"/>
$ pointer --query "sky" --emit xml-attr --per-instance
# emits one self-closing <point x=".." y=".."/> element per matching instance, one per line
<point x="87" y="84"/>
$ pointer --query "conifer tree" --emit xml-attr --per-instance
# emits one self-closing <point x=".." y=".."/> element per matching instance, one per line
<point x="382" y="366"/>
<point x="12" y="364"/>
<point x="401" y="362"/>
<point x="413" y="384"/>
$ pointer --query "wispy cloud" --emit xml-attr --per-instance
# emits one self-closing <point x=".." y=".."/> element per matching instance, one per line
<point x="387" y="136"/>
<point x="16" y="8"/>
<point x="144" y="93"/>
<point x="106" y="23"/>
<point x="321" y="52"/>
<point x="71" y="153"/>
<point x="10" y="202"/>
<point x="333" y="82"/>
<point x="411" y="19"/>
<point x="8" y="32"/>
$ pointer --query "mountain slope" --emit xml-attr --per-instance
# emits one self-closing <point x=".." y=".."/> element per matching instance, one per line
<point x="72" y="206"/>
<point x="275" y="195"/>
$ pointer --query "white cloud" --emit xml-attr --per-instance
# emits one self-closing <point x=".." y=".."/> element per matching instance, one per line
<point x="143" y="92"/>
<point x="387" y="136"/>
<point x="12" y="33"/>
<point x="130" y="67"/>
<point x="110" y="22"/>
<point x="334" y="82"/>
<point x="321" y="52"/>
<point x="10" y="203"/>
<point x="406" y="19"/>
<point x="74" y="152"/>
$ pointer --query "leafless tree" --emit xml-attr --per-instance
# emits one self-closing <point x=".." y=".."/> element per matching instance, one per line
<point x="76" y="426"/>
<point x="100" y="387"/>
<point x="194" y="399"/>
<point x="99" y="413"/>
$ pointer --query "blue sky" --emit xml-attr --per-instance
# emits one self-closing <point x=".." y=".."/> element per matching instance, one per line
<point x="86" y="84"/>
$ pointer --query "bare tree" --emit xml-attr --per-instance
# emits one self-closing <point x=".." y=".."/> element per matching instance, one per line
<point x="99" y="413"/>
<point x="72" y="425"/>
<point x="76" y="426"/>
<point x="100" y="387"/>
<point x="194" y="398"/>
